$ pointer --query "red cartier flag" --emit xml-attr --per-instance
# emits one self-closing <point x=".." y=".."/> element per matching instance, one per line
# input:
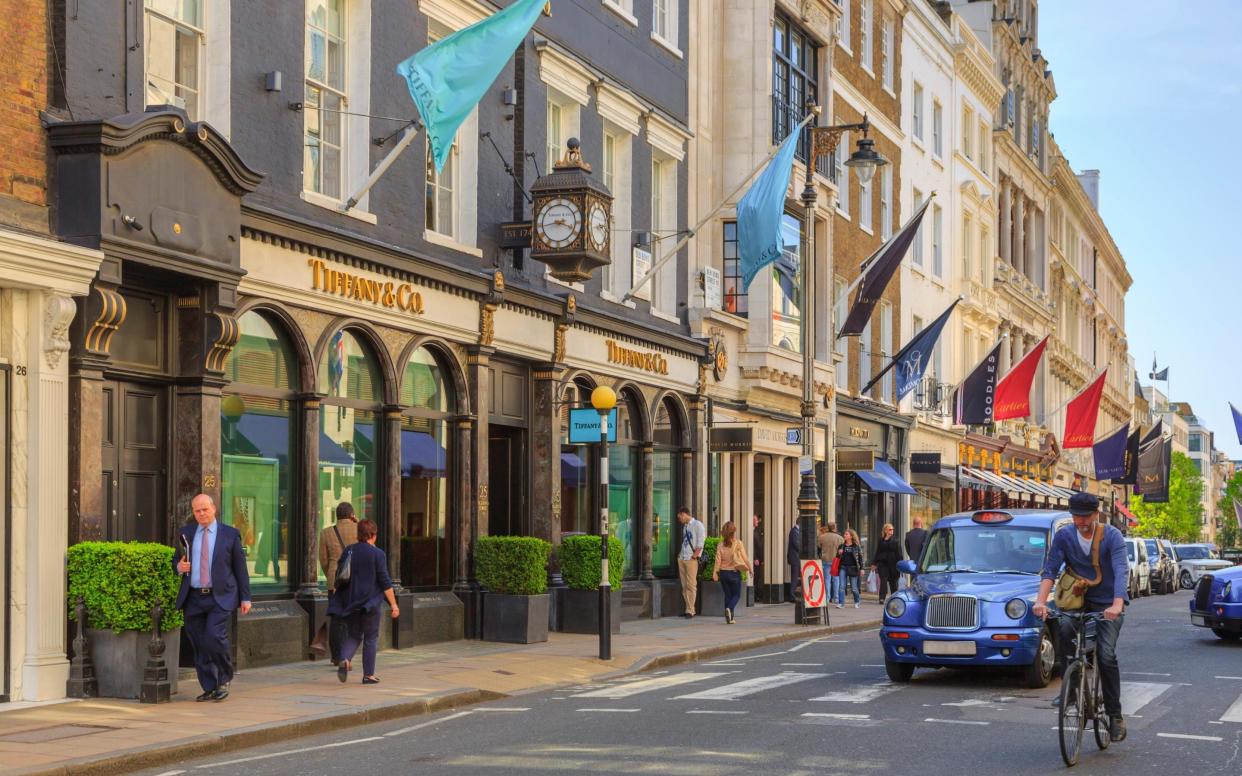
<point x="1081" y="414"/>
<point x="1013" y="392"/>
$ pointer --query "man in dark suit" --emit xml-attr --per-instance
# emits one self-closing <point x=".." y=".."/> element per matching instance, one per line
<point x="214" y="582"/>
<point x="793" y="555"/>
<point x="915" y="539"/>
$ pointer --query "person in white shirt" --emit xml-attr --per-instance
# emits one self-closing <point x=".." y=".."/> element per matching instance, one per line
<point x="690" y="557"/>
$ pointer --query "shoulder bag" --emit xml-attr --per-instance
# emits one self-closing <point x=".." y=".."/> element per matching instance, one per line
<point x="1071" y="588"/>
<point x="343" y="566"/>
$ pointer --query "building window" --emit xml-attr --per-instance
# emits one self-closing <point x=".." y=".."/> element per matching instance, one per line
<point x="864" y="204"/>
<point x="937" y="242"/>
<point x="968" y="137"/>
<point x="426" y="456"/>
<point x="439" y="200"/>
<point x="843" y="24"/>
<point x="735" y="294"/>
<point x="864" y="357"/>
<point x="886" y="54"/>
<point x="174" y="38"/>
<point x="886" y="202"/>
<point x="838" y="317"/>
<point x="795" y="69"/>
<point x="968" y="246"/>
<point x="865" y="41"/>
<point x="985" y="247"/>
<point x="985" y="142"/>
<point x="609" y="164"/>
<point x="325" y="97"/>
<point x="663" y="224"/>
<point x="666" y="490"/>
<point x="916" y="111"/>
<point x="787" y="289"/>
<point x="625" y="481"/>
<point x="841" y="174"/>
<point x="618" y="144"/>
<point x="887" y="348"/>
<point x="555" y="139"/>
<point x="664" y="21"/>
<point x="937" y="128"/>
<point x="916" y="200"/>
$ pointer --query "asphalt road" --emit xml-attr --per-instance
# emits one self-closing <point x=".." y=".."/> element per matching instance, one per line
<point x="812" y="707"/>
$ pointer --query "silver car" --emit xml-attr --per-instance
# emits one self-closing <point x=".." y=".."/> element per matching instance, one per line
<point x="1193" y="561"/>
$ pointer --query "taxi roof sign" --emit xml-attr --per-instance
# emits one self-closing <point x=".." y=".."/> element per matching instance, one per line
<point x="992" y="516"/>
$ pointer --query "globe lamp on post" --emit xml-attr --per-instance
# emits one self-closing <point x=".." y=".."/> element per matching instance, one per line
<point x="604" y="399"/>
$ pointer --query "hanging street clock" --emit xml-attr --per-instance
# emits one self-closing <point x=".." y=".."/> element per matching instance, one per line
<point x="572" y="229"/>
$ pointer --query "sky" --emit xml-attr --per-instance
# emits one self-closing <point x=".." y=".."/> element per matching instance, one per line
<point x="1150" y="93"/>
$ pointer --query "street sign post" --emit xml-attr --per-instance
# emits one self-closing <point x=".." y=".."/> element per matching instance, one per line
<point x="814" y="591"/>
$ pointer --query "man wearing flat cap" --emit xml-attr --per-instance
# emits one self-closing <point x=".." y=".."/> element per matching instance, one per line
<point x="1072" y="546"/>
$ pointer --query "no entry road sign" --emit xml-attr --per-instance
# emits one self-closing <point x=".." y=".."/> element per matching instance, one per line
<point x="814" y="593"/>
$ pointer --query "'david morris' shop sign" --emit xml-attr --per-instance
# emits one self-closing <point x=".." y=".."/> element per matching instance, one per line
<point x="381" y="293"/>
<point x="648" y="362"/>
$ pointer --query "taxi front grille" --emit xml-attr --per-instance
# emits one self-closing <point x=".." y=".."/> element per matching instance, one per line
<point x="1203" y="593"/>
<point x="959" y="612"/>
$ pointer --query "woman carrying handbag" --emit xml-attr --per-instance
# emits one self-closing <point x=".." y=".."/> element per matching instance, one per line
<point x="850" y="556"/>
<point x="731" y="561"/>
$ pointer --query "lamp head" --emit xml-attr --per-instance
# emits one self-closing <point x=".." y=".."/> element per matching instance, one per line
<point x="232" y="407"/>
<point x="865" y="160"/>
<point x="603" y="398"/>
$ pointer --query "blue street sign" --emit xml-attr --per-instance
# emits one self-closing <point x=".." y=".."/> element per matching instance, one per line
<point x="793" y="436"/>
<point x="584" y="426"/>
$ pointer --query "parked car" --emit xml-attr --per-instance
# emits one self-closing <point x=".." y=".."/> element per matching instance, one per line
<point x="1171" y="551"/>
<point x="1217" y="603"/>
<point x="1193" y="561"/>
<point x="970" y="601"/>
<point x="1163" y="570"/>
<point x="1140" y="569"/>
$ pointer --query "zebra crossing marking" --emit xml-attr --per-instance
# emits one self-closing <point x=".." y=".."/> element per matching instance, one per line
<point x="647" y="685"/>
<point x="860" y="694"/>
<point x="736" y="690"/>
<point x="1136" y="695"/>
<point x="1234" y="714"/>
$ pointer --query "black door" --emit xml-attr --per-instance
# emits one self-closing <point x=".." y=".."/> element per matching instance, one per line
<point x="506" y="467"/>
<point x="135" y="468"/>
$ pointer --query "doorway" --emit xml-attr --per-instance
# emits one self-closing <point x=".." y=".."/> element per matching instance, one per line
<point x="506" y="467"/>
<point x="135" y="461"/>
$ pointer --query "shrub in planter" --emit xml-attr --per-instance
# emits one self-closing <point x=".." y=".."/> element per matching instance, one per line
<point x="120" y="583"/>
<point x="514" y="571"/>
<point x="579" y="556"/>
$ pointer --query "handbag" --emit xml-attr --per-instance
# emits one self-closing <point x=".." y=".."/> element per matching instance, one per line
<point x="1072" y="588"/>
<point x="836" y="566"/>
<point x="343" y="566"/>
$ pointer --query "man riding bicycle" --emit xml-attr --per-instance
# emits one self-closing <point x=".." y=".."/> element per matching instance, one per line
<point x="1072" y="546"/>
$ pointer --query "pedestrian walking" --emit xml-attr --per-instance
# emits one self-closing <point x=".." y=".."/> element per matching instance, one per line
<point x="332" y="543"/>
<point x="829" y="540"/>
<point x="851" y="557"/>
<point x="359" y="603"/>
<point x="689" y="557"/>
<point x="884" y="562"/>
<point x="793" y="556"/>
<point x="915" y="539"/>
<point x="731" y="561"/>
<point x="758" y="546"/>
<point x="214" y="581"/>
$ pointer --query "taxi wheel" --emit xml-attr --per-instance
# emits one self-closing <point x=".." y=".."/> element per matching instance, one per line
<point x="1039" y="673"/>
<point x="898" y="672"/>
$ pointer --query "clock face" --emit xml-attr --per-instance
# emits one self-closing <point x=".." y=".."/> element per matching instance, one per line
<point x="597" y="223"/>
<point x="559" y="223"/>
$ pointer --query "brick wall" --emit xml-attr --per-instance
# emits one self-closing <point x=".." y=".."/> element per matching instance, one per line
<point x="24" y="62"/>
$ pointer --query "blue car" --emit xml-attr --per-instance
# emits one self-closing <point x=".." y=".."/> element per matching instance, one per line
<point x="1217" y="603"/>
<point x="970" y="603"/>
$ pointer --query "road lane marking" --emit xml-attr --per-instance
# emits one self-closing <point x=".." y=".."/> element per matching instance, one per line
<point x="1234" y="714"/>
<point x="956" y="721"/>
<point x="730" y="692"/>
<point x="1144" y="673"/>
<point x="422" y="725"/>
<point x="1229" y="677"/>
<point x="871" y="665"/>
<point x="612" y="711"/>
<point x="169" y="773"/>
<point x="1136" y="695"/>
<point x="752" y="657"/>
<point x="802" y="664"/>
<point x="715" y="711"/>
<point x="505" y="708"/>
<point x="1215" y="722"/>
<point x="293" y="751"/>
<point x="861" y="694"/>
<point x="647" y="685"/>
<point x="803" y="645"/>
<point x="1188" y="737"/>
<point x="836" y="716"/>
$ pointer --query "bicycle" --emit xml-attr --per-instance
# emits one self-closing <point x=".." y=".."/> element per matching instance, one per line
<point x="1082" y="698"/>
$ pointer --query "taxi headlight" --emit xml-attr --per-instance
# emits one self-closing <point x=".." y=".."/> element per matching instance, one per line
<point x="895" y="607"/>
<point x="1016" y="609"/>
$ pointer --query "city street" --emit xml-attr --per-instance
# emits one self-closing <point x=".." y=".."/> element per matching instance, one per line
<point x="818" y="706"/>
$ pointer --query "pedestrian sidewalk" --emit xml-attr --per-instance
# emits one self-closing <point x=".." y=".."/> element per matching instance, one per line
<point x="113" y="736"/>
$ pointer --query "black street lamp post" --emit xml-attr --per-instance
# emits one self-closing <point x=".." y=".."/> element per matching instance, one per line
<point x="603" y="399"/>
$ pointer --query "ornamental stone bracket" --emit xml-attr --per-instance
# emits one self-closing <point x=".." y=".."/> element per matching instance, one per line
<point x="58" y="311"/>
<point x="223" y="333"/>
<point x="568" y="314"/>
<point x="488" y="306"/>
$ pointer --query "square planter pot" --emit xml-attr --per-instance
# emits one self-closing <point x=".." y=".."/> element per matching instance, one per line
<point x="711" y="599"/>
<point x="120" y="658"/>
<point x="579" y="610"/>
<point x="515" y="619"/>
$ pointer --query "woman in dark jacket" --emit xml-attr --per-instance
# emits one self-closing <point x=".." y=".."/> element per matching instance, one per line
<point x="851" y="557"/>
<point x="359" y="602"/>
<point x="887" y="554"/>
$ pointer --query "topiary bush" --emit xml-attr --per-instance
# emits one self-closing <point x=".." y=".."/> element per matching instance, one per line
<point x="512" y="565"/>
<point x="579" y="556"/>
<point x="121" y="582"/>
<point x="709" y="558"/>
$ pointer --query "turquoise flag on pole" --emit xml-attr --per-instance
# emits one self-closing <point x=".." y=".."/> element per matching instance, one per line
<point x="448" y="78"/>
<point x="759" y="237"/>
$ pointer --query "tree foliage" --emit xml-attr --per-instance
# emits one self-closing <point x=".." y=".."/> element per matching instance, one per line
<point x="1228" y="535"/>
<point x="1179" y="520"/>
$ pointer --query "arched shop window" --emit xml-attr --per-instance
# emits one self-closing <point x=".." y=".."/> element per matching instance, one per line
<point x="665" y="483"/>
<point x="257" y="447"/>
<point x="625" y="479"/>
<point x="349" y="428"/>
<point x="426" y="456"/>
<point x="578" y="462"/>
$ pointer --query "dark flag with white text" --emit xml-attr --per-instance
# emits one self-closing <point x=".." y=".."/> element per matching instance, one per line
<point x="974" y="399"/>
<point x="1110" y="454"/>
<point x="1130" y="476"/>
<point x="911" y="361"/>
<point x="1153" y="472"/>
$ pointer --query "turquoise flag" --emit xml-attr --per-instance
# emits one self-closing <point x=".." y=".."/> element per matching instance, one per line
<point x="759" y="237"/>
<point x="448" y="78"/>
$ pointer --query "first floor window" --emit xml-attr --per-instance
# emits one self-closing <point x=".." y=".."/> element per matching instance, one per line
<point x="325" y="96"/>
<point x="440" y="200"/>
<point x="172" y="40"/>
<point x="735" y="294"/>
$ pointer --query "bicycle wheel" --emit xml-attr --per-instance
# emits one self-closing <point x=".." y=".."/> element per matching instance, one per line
<point x="1071" y="721"/>
<point x="1102" y="737"/>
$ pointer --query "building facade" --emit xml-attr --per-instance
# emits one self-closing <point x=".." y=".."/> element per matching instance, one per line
<point x="286" y="341"/>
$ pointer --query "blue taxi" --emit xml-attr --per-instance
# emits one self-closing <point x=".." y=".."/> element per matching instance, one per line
<point x="1217" y="603"/>
<point x="970" y="602"/>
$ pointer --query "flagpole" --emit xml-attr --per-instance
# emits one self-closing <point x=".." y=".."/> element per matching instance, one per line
<point x="411" y="132"/>
<point x="711" y="214"/>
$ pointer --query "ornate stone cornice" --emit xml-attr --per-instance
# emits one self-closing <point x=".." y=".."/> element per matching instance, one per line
<point x="58" y="310"/>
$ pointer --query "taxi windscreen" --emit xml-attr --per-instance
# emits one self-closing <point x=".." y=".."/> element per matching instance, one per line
<point x="980" y="548"/>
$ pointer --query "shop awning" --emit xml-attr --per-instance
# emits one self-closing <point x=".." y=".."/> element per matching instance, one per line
<point x="985" y="476"/>
<point x="330" y="452"/>
<point x="1130" y="518"/>
<point x="885" y="479"/>
<point x="422" y="456"/>
<point x="969" y="478"/>
<point x="573" y="471"/>
<point x="254" y="434"/>
<point x="943" y="479"/>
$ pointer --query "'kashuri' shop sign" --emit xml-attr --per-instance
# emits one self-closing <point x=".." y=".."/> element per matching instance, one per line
<point x="381" y="293"/>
